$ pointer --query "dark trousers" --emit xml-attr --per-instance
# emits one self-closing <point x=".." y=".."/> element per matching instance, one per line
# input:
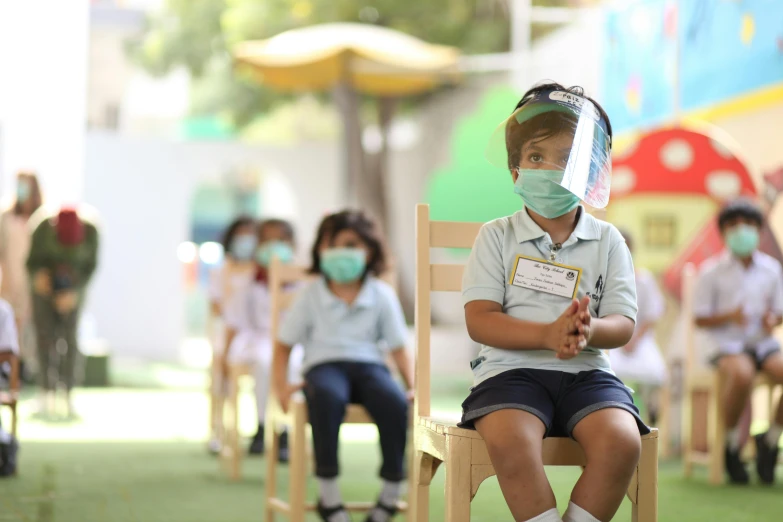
<point x="330" y="387"/>
<point x="51" y="326"/>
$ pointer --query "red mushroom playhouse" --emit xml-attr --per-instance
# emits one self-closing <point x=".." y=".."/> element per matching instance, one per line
<point x="667" y="189"/>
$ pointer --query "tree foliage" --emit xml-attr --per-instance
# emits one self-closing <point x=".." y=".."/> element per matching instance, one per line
<point x="198" y="35"/>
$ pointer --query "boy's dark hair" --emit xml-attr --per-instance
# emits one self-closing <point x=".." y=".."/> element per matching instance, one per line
<point x="231" y="231"/>
<point x="282" y="224"/>
<point x="628" y="238"/>
<point x="740" y="208"/>
<point x="546" y="124"/>
<point x="364" y="227"/>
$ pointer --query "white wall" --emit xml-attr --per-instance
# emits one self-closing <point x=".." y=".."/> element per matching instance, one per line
<point x="43" y="74"/>
<point x="142" y="189"/>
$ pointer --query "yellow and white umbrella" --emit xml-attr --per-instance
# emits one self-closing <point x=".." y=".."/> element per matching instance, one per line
<point x="371" y="59"/>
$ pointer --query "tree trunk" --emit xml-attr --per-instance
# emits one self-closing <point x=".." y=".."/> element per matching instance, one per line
<point x="353" y="152"/>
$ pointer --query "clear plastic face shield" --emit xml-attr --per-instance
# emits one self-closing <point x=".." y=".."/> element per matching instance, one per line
<point x="560" y="133"/>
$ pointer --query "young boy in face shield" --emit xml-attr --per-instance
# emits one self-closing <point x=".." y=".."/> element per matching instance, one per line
<point x="738" y="298"/>
<point x="546" y="290"/>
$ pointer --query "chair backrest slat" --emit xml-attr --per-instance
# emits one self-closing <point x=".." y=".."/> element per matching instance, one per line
<point x="453" y="234"/>
<point x="446" y="278"/>
<point x="433" y="278"/>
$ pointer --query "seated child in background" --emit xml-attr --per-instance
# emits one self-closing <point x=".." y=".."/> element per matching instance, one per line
<point x="738" y="298"/>
<point x="249" y="318"/>
<point x="239" y="246"/>
<point x="640" y="361"/>
<point x="546" y="290"/>
<point x="9" y="341"/>
<point x="347" y="320"/>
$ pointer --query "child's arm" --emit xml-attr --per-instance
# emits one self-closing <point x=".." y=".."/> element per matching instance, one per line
<point x="611" y="331"/>
<point x="488" y="324"/>
<point x="712" y="321"/>
<point x="404" y="364"/>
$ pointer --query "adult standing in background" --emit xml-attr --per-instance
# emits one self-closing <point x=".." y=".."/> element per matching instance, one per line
<point x="63" y="257"/>
<point x="14" y="249"/>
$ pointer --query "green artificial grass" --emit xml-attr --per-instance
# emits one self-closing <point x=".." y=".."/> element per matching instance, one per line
<point x="139" y="455"/>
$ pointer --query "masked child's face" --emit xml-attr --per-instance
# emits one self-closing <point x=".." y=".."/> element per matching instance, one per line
<point x="741" y="236"/>
<point x="273" y="233"/>
<point x="549" y="153"/>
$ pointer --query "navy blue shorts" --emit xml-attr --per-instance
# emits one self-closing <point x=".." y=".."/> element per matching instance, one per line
<point x="559" y="399"/>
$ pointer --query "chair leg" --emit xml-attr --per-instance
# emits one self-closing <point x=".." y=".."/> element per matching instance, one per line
<point x="233" y="441"/>
<point x="297" y="468"/>
<point x="645" y="509"/>
<point x="458" y="456"/>
<point x="272" y="444"/>
<point x="686" y="434"/>
<point x="664" y="422"/>
<point x="13" y="420"/>
<point x="419" y="496"/>
<point x="716" y="425"/>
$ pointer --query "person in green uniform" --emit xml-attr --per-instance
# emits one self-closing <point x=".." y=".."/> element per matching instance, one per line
<point x="63" y="256"/>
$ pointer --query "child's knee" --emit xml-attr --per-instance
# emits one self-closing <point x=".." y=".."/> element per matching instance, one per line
<point x="739" y="370"/>
<point x="620" y="451"/>
<point x="513" y="453"/>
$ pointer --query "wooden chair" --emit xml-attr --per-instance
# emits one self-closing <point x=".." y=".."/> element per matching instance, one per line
<point x="225" y="401"/>
<point x="706" y="381"/>
<point x="463" y="451"/>
<point x="10" y="398"/>
<point x="295" y="420"/>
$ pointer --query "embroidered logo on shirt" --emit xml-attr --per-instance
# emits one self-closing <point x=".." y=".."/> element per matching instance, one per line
<point x="599" y="289"/>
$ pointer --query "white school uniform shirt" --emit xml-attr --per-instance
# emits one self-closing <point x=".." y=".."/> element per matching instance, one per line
<point x="645" y="364"/>
<point x="251" y="318"/>
<point x="9" y="341"/>
<point x="596" y="247"/>
<point x="724" y="284"/>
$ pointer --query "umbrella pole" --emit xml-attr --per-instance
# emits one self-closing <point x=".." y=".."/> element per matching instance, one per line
<point x="347" y="100"/>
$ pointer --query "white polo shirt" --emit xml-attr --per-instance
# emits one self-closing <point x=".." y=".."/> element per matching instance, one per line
<point x="595" y="247"/>
<point x="724" y="284"/>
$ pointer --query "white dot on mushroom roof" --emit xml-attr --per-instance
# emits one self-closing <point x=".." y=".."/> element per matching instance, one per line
<point x="677" y="155"/>
<point x="723" y="184"/>
<point x="623" y="180"/>
<point x="721" y="149"/>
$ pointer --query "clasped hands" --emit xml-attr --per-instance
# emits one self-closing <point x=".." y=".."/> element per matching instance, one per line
<point x="570" y="333"/>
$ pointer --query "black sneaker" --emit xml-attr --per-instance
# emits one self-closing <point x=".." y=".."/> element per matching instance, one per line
<point x="282" y="451"/>
<point x="735" y="467"/>
<point x="8" y="454"/>
<point x="257" y="444"/>
<point x="766" y="459"/>
<point x="327" y="513"/>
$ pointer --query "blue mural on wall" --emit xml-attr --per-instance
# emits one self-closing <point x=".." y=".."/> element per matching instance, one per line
<point x="727" y="48"/>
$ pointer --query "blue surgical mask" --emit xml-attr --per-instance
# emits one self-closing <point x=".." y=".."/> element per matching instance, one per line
<point x="22" y="191"/>
<point x="343" y="265"/>
<point x="279" y="249"/>
<point x="243" y="246"/>
<point x="742" y="240"/>
<point x="542" y="195"/>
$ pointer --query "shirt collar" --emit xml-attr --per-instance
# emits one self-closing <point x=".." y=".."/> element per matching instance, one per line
<point x="525" y="229"/>
<point x="728" y="257"/>
<point x="365" y="298"/>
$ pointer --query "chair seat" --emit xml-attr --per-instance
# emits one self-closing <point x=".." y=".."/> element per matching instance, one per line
<point x="8" y="398"/>
<point x="354" y="413"/>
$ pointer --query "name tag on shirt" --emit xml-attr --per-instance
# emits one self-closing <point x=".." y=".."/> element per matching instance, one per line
<point x="543" y="276"/>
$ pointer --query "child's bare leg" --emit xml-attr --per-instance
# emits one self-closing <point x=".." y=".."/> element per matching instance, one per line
<point x="737" y="372"/>
<point x="611" y="442"/>
<point x="514" y="442"/>
<point x="773" y="367"/>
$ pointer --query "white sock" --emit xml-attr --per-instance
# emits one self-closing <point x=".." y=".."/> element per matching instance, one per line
<point x="733" y="438"/>
<point x="548" y="516"/>
<point x="773" y="435"/>
<point x="576" y="514"/>
<point x="390" y="494"/>
<point x="329" y="491"/>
